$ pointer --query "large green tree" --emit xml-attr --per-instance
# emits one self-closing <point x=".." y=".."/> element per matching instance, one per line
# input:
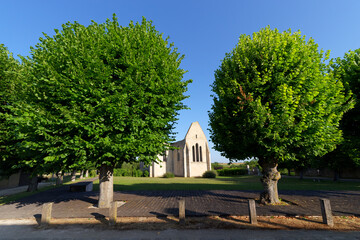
<point x="102" y="94"/>
<point x="10" y="94"/>
<point x="347" y="154"/>
<point x="275" y="99"/>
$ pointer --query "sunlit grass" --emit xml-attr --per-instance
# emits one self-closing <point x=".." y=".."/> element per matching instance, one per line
<point x="224" y="183"/>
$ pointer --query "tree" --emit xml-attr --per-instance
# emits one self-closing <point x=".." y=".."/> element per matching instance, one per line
<point x="347" y="154"/>
<point x="103" y="94"/>
<point x="11" y="93"/>
<point x="275" y="99"/>
<point x="8" y="87"/>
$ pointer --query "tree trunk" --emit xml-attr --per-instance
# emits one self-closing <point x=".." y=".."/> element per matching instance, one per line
<point x="87" y="173"/>
<point x="289" y="172"/>
<point x="301" y="174"/>
<point x="269" y="180"/>
<point x="82" y="174"/>
<point x="59" y="178"/>
<point x="106" y="186"/>
<point x="33" y="185"/>
<point x="73" y="175"/>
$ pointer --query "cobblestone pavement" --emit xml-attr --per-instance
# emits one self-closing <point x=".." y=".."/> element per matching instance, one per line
<point x="162" y="203"/>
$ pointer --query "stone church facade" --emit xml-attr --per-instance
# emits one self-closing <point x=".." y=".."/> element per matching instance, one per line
<point x="190" y="159"/>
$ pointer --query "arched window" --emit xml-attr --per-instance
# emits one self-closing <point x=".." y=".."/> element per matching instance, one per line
<point x="193" y="153"/>
<point x="197" y="152"/>
<point x="200" y="154"/>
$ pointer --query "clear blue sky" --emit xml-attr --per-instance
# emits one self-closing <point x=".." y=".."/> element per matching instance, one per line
<point x="202" y="30"/>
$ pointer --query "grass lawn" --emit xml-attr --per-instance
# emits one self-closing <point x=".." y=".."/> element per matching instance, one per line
<point x="223" y="183"/>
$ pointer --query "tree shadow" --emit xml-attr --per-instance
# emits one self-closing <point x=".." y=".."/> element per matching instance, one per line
<point x="38" y="218"/>
<point x="101" y="218"/>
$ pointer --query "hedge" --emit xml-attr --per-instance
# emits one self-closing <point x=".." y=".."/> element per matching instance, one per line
<point x="232" y="171"/>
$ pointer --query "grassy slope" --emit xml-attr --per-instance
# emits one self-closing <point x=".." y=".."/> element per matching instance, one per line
<point x="223" y="183"/>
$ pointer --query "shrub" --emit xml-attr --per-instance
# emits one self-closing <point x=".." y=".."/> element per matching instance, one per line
<point x="146" y="173"/>
<point x="92" y="173"/>
<point x="209" y="174"/>
<point x="219" y="167"/>
<point x="168" y="175"/>
<point x="232" y="172"/>
<point x="137" y="173"/>
<point x="128" y="170"/>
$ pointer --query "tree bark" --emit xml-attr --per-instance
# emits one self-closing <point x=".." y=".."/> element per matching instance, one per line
<point x="73" y="175"/>
<point x="269" y="180"/>
<point x="82" y="174"/>
<point x="33" y="185"/>
<point x="301" y="174"/>
<point x="106" y="195"/>
<point x="87" y="173"/>
<point x="59" y="178"/>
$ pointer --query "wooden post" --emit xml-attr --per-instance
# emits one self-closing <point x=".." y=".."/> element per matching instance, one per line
<point x="252" y="211"/>
<point x="46" y="213"/>
<point x="182" y="211"/>
<point x="113" y="213"/>
<point x="326" y="212"/>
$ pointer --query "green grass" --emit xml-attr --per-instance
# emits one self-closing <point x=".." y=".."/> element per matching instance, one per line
<point x="219" y="183"/>
<point x="223" y="183"/>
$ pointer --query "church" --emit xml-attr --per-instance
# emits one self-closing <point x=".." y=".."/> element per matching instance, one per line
<point x="190" y="159"/>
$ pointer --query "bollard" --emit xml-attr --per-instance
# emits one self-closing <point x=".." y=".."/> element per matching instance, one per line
<point x="182" y="211"/>
<point x="252" y="211"/>
<point x="113" y="213"/>
<point x="46" y="213"/>
<point x="326" y="212"/>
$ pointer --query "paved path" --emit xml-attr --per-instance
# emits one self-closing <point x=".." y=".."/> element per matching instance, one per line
<point x="10" y="191"/>
<point x="26" y="230"/>
<point x="162" y="203"/>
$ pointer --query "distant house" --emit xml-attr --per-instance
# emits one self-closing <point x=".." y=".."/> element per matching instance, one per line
<point x="191" y="159"/>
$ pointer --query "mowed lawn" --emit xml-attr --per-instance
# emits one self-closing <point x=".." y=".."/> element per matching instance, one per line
<point x="223" y="183"/>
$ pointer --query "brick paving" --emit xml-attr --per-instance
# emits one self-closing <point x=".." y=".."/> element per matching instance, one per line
<point x="163" y="203"/>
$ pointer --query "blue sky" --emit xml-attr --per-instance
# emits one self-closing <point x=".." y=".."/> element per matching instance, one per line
<point x="201" y="30"/>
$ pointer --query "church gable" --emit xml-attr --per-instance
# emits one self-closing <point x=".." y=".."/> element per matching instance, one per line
<point x="195" y="133"/>
<point x="190" y="159"/>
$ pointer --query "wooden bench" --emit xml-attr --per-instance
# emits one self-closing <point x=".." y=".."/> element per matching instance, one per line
<point x="81" y="187"/>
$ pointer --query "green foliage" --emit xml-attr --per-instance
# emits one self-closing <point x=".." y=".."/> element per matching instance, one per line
<point x="210" y="174"/>
<point x="347" y="154"/>
<point x="129" y="170"/>
<point x="252" y="163"/>
<point x="92" y="173"/>
<point x="168" y="175"/>
<point x="146" y="173"/>
<point x="11" y="94"/>
<point x="101" y="94"/>
<point x="216" y="166"/>
<point x="276" y="99"/>
<point x="232" y="172"/>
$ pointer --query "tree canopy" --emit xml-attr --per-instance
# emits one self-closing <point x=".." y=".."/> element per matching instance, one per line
<point x="10" y="93"/>
<point x="276" y="99"/>
<point x="102" y="94"/>
<point x="347" y="154"/>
